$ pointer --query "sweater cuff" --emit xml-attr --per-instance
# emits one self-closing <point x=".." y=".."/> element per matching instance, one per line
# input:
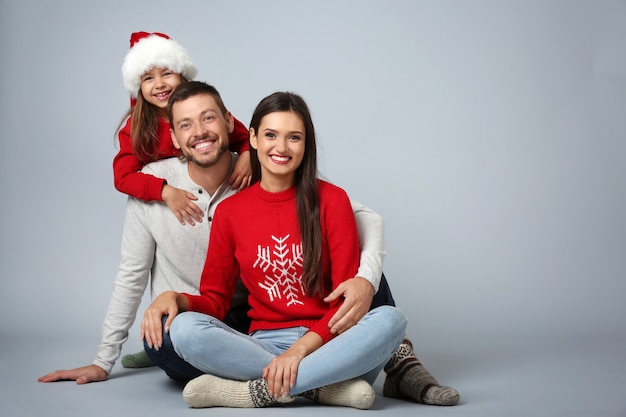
<point x="323" y="331"/>
<point x="245" y="146"/>
<point x="154" y="188"/>
<point x="372" y="272"/>
<point x="106" y="366"/>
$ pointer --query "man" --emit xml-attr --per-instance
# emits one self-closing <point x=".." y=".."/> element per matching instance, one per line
<point x="156" y="248"/>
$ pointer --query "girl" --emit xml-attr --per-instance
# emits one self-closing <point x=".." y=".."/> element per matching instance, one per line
<point x="299" y="245"/>
<point x="153" y="67"/>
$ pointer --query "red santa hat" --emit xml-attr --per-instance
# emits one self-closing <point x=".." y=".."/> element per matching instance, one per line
<point x="149" y="50"/>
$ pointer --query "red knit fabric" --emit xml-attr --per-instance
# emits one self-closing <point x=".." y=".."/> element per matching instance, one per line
<point x="127" y="165"/>
<point x="256" y="233"/>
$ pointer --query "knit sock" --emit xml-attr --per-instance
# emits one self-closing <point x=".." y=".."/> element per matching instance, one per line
<point x="355" y="393"/>
<point x="212" y="391"/>
<point x="137" y="360"/>
<point x="408" y="378"/>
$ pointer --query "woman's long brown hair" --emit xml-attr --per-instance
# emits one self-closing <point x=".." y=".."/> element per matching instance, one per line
<point x="307" y="195"/>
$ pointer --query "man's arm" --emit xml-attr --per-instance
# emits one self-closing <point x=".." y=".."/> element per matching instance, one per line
<point x="371" y="229"/>
<point x="359" y="291"/>
<point x="137" y="253"/>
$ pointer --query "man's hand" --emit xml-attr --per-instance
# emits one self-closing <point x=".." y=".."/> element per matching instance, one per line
<point x="83" y="375"/>
<point x="358" y="294"/>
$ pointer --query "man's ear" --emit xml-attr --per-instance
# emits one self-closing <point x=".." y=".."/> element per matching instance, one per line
<point x="253" y="138"/>
<point x="230" y="122"/>
<point x="174" y="140"/>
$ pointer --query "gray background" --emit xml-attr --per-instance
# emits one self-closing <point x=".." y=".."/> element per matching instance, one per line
<point x="491" y="135"/>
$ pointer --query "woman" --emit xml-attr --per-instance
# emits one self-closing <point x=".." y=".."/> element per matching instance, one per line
<point x="292" y="238"/>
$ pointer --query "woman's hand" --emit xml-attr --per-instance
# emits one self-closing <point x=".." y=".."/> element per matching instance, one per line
<point x="282" y="371"/>
<point x="164" y="305"/>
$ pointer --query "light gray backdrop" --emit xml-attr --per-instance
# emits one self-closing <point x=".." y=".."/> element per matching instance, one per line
<point x="491" y="135"/>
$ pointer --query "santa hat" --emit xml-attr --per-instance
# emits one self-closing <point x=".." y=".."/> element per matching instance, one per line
<point x="149" y="50"/>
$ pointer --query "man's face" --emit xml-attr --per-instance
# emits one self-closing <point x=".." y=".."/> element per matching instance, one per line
<point x="200" y="129"/>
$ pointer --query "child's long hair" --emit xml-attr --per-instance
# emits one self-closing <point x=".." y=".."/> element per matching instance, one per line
<point x="307" y="195"/>
<point x="143" y="128"/>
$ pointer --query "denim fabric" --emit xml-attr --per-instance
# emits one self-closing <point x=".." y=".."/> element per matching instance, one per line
<point x="175" y="367"/>
<point x="167" y="359"/>
<point x="383" y="296"/>
<point x="213" y="347"/>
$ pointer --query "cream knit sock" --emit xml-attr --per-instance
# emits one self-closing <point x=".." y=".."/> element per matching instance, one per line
<point x="212" y="391"/>
<point x="355" y="393"/>
<point x="408" y="378"/>
<point x="137" y="360"/>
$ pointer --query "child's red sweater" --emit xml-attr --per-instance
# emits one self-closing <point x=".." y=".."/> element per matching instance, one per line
<point x="264" y="247"/>
<point x="127" y="165"/>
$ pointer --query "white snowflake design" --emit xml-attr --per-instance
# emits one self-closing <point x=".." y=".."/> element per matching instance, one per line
<point x="280" y="265"/>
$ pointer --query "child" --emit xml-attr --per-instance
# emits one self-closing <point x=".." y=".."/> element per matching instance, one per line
<point x="153" y="67"/>
<point x="299" y="244"/>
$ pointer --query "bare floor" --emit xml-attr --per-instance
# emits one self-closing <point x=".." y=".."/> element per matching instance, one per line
<point x="567" y="376"/>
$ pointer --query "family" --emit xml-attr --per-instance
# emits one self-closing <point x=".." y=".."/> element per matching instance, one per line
<point x="266" y="281"/>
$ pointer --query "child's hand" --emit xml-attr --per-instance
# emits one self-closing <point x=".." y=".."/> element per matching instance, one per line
<point x="180" y="202"/>
<point x="242" y="172"/>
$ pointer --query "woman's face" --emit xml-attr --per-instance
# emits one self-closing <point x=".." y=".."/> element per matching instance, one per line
<point x="280" y="146"/>
<point x="157" y="85"/>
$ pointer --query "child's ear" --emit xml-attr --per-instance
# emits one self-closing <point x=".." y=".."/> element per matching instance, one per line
<point x="253" y="138"/>
<point x="174" y="140"/>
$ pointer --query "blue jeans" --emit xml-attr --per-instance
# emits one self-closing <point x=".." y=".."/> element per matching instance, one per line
<point x="211" y="346"/>
<point x="383" y="296"/>
<point x="167" y="359"/>
<point x="176" y="368"/>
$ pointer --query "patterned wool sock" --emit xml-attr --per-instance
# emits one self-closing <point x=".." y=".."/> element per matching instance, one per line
<point x="137" y="360"/>
<point x="355" y="393"/>
<point x="408" y="378"/>
<point x="212" y="391"/>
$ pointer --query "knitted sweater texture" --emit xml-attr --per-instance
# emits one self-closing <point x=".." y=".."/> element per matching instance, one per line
<point x="256" y="235"/>
<point x="157" y="249"/>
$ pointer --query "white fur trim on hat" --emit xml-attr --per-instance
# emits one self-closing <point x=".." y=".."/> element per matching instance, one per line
<point x="155" y="51"/>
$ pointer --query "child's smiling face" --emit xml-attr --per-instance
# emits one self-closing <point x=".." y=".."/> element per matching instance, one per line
<point x="157" y="85"/>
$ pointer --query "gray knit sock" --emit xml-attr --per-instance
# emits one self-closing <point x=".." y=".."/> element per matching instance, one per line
<point x="212" y="391"/>
<point x="355" y="393"/>
<point x="137" y="360"/>
<point x="408" y="378"/>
